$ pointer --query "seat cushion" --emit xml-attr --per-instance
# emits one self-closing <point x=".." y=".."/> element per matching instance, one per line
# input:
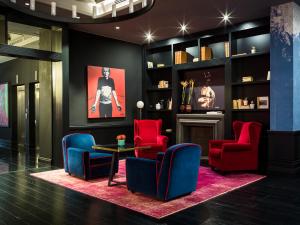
<point x="215" y="152"/>
<point x="100" y="158"/>
<point x="154" y="147"/>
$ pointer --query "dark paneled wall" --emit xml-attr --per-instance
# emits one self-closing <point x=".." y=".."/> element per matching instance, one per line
<point x="87" y="49"/>
<point x="25" y="70"/>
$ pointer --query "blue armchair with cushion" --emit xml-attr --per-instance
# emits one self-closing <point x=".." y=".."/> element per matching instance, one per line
<point x="173" y="174"/>
<point x="81" y="160"/>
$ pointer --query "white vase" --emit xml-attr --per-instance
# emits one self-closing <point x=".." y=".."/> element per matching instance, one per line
<point x="157" y="106"/>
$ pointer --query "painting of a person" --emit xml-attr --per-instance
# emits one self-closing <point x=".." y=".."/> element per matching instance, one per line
<point x="105" y="92"/>
<point x="207" y="94"/>
<point x="207" y="97"/>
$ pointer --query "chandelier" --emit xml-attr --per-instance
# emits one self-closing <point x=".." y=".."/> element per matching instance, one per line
<point x="82" y="11"/>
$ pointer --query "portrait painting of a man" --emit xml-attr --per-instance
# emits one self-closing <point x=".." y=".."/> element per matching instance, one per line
<point x="106" y="92"/>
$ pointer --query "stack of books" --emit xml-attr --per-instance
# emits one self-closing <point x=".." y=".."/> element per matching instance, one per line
<point x="206" y="53"/>
<point x="181" y="57"/>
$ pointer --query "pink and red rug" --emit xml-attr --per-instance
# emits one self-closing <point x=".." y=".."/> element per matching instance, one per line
<point x="210" y="185"/>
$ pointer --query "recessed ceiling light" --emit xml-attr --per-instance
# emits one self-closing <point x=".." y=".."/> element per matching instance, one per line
<point x="117" y="28"/>
<point x="149" y="36"/>
<point x="225" y="18"/>
<point x="27" y="4"/>
<point x="183" y="28"/>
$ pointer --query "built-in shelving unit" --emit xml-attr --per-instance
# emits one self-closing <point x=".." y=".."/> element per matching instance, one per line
<point x="232" y="59"/>
<point x="259" y="82"/>
<point x="159" y="89"/>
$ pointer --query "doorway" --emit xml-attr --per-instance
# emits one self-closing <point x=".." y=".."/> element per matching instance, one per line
<point x="34" y="117"/>
<point x="21" y="116"/>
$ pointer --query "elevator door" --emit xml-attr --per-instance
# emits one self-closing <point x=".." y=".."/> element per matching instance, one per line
<point x="21" y="115"/>
<point x="37" y="115"/>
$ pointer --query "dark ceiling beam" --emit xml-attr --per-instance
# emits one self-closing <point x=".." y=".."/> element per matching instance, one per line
<point x="19" y="52"/>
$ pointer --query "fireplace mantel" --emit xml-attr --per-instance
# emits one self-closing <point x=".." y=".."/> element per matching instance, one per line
<point x="214" y="121"/>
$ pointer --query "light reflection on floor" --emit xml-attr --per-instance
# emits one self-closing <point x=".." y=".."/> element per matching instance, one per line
<point x="19" y="160"/>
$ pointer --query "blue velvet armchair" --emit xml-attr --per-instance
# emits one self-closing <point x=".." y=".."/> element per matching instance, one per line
<point x="173" y="174"/>
<point x="81" y="160"/>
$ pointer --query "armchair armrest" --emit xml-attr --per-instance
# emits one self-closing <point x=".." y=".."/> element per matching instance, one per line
<point x="137" y="140"/>
<point x="141" y="175"/>
<point x="236" y="147"/>
<point x="161" y="139"/>
<point x="160" y="156"/>
<point x="78" y="162"/>
<point x="219" y="143"/>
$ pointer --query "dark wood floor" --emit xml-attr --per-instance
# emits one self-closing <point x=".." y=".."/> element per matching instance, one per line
<point x="26" y="200"/>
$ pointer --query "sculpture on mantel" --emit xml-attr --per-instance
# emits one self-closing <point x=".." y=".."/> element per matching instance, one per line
<point x="184" y="85"/>
<point x="188" y="107"/>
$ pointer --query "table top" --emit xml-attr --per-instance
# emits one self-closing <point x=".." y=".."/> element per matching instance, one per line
<point x="117" y="148"/>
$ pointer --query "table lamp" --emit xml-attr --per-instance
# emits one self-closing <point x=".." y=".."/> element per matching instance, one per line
<point x="140" y="106"/>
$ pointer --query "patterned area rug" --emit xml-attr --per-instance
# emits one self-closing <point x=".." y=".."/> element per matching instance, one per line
<point x="210" y="185"/>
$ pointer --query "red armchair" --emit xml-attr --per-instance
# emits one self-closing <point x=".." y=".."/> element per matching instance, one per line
<point x="148" y="133"/>
<point x="238" y="154"/>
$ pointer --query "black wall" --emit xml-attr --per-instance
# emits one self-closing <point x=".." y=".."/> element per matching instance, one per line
<point x="25" y="70"/>
<point x="87" y="49"/>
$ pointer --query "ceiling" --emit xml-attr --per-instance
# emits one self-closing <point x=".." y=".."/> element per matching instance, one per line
<point x="163" y="20"/>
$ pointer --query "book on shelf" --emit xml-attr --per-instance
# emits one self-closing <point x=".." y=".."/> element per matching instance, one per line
<point x="182" y="57"/>
<point x="206" y="53"/>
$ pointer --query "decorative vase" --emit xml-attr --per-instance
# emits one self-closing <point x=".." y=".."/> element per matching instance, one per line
<point x="182" y="108"/>
<point x="157" y="106"/>
<point x="188" y="108"/>
<point x="121" y="142"/>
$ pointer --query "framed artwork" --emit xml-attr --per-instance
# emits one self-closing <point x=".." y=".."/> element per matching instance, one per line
<point x="209" y="89"/>
<point x="4" y="120"/>
<point x="263" y="102"/>
<point x="106" y="92"/>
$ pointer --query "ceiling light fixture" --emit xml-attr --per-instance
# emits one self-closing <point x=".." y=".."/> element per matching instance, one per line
<point x="95" y="11"/>
<point x="131" y="6"/>
<point x="82" y="11"/>
<point x="74" y="11"/>
<point x="114" y="10"/>
<point x="183" y="28"/>
<point x="144" y="3"/>
<point x="149" y="36"/>
<point x="117" y="28"/>
<point x="225" y="17"/>
<point x="53" y="8"/>
<point x="32" y="5"/>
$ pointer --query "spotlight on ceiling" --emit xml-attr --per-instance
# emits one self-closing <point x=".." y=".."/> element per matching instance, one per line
<point x="226" y="17"/>
<point x="117" y="28"/>
<point x="183" y="28"/>
<point x="149" y="36"/>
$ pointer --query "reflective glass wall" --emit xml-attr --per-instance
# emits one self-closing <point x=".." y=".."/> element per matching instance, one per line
<point x="33" y="37"/>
